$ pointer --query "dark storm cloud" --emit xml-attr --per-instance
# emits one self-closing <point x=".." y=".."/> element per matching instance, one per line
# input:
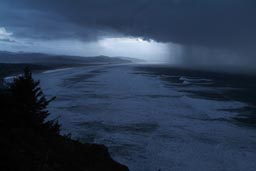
<point x="221" y="23"/>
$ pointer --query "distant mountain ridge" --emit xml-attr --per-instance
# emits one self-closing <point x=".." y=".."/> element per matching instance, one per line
<point x="23" y="57"/>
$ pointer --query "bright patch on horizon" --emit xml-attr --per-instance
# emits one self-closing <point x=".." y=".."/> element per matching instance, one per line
<point x="134" y="47"/>
<point x="150" y="51"/>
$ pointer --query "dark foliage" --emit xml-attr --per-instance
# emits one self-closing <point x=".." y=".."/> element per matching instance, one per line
<point x="30" y="142"/>
<point x="31" y="104"/>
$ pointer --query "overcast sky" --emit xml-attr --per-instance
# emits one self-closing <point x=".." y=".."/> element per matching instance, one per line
<point x="206" y="30"/>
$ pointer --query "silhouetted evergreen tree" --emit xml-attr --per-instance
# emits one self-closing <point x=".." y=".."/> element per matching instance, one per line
<point x="31" y="103"/>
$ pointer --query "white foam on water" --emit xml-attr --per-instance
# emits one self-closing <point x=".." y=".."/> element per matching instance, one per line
<point x="146" y="125"/>
<point x="56" y="70"/>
